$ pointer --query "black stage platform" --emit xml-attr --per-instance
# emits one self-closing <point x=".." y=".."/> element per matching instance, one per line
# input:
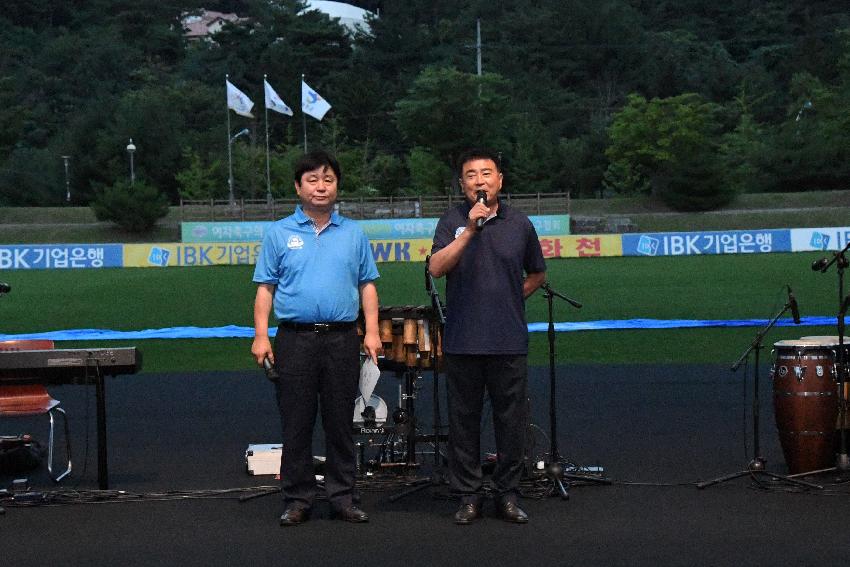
<point x="656" y="430"/>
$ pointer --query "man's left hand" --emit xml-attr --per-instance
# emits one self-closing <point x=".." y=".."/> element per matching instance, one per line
<point x="372" y="346"/>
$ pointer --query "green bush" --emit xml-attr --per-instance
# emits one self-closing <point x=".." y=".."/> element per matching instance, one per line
<point x="694" y="185"/>
<point x="135" y="208"/>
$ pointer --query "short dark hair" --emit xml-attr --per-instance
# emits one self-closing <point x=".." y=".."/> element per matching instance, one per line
<point x="314" y="160"/>
<point x="477" y="153"/>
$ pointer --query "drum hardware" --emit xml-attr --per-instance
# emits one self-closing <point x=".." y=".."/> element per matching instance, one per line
<point x="434" y="331"/>
<point x="554" y="470"/>
<point x="411" y="343"/>
<point x="757" y="466"/>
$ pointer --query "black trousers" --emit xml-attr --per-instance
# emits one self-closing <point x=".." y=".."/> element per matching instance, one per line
<point x="317" y="370"/>
<point x="506" y="380"/>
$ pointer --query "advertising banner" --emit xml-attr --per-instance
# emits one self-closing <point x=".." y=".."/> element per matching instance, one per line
<point x="809" y="239"/>
<point x="381" y="229"/>
<point x="581" y="246"/>
<point x="49" y="256"/>
<point x="696" y="243"/>
<point x="169" y="254"/>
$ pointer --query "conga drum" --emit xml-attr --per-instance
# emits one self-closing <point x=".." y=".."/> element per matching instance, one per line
<point x="841" y="422"/>
<point x="805" y="402"/>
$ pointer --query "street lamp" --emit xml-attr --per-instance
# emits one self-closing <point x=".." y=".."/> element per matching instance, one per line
<point x="67" y="180"/>
<point x="806" y="106"/>
<point x="231" y="198"/>
<point x="131" y="149"/>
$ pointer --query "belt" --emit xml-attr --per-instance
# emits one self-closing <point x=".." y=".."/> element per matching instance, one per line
<point x="317" y="327"/>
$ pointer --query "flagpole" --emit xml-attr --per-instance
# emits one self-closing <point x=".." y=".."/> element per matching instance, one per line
<point x="303" y="115"/>
<point x="268" y="170"/>
<point x="230" y="197"/>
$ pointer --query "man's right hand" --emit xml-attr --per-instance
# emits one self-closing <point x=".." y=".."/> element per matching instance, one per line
<point x="262" y="348"/>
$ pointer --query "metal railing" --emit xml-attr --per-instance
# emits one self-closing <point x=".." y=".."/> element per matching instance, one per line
<point x="364" y="207"/>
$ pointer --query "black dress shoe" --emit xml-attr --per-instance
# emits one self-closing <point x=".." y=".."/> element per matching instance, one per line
<point x="467" y="513"/>
<point x="351" y="514"/>
<point x="294" y="516"/>
<point x="510" y="512"/>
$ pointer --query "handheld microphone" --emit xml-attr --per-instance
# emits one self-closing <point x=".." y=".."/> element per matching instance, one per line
<point x="5" y="288"/>
<point x="271" y="371"/>
<point x="795" y="309"/>
<point x="819" y="265"/>
<point x="481" y="197"/>
<point x="427" y="274"/>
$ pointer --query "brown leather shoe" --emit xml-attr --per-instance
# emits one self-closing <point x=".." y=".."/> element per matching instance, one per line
<point x="467" y="513"/>
<point x="294" y="516"/>
<point x="351" y="514"/>
<point x="510" y="512"/>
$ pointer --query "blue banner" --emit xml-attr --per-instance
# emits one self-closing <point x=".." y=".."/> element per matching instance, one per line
<point x="50" y="256"/>
<point x="697" y="243"/>
<point x="236" y="331"/>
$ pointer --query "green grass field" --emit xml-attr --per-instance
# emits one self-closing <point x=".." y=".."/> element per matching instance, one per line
<point x="703" y="287"/>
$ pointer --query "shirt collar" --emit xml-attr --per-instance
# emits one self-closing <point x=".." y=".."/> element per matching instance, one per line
<point x="302" y="218"/>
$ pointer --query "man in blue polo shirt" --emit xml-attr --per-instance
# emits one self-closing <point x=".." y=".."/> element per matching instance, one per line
<point x="316" y="268"/>
<point x="491" y="257"/>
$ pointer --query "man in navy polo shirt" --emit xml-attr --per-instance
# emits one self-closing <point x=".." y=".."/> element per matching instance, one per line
<point x="491" y="257"/>
<point x="316" y="268"/>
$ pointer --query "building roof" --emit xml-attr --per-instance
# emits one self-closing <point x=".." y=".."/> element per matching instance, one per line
<point x="206" y="23"/>
<point x="350" y="17"/>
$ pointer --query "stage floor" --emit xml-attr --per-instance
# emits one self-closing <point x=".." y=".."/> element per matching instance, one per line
<point x="656" y="431"/>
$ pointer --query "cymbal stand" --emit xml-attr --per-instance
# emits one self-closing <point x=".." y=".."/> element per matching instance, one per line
<point x="554" y="468"/>
<point x="756" y="467"/>
<point x="842" y="461"/>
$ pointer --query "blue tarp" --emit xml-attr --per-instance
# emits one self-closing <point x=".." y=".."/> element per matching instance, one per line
<point x="234" y="331"/>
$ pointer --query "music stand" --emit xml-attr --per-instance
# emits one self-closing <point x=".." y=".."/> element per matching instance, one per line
<point x="757" y="466"/>
<point x="554" y="469"/>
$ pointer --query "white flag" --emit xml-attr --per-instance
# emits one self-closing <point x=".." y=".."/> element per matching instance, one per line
<point x="238" y="102"/>
<point x="273" y="101"/>
<point x="312" y="103"/>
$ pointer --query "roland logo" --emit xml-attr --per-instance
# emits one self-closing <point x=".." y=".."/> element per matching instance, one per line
<point x="371" y="430"/>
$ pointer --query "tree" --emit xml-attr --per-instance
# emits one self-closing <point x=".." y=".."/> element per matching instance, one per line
<point x="429" y="175"/>
<point x="447" y="110"/>
<point x="673" y="145"/>
<point x="135" y="208"/>
<point x="198" y="181"/>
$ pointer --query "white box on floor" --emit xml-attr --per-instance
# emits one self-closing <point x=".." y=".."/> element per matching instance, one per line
<point x="261" y="459"/>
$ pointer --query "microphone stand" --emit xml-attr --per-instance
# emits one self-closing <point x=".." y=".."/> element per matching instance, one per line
<point x="841" y="263"/>
<point x="436" y="331"/>
<point x="555" y="470"/>
<point x="757" y="465"/>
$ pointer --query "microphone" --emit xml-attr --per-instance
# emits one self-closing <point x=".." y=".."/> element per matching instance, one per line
<point x="819" y="265"/>
<point x="480" y="197"/>
<point x="271" y="371"/>
<point x="427" y="274"/>
<point x="5" y="288"/>
<point x="795" y="309"/>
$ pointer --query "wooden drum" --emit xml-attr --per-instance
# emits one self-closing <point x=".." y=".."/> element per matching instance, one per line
<point x="410" y="337"/>
<point x="805" y="402"/>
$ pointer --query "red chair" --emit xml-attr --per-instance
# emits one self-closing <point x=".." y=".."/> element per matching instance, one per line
<point x="33" y="399"/>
